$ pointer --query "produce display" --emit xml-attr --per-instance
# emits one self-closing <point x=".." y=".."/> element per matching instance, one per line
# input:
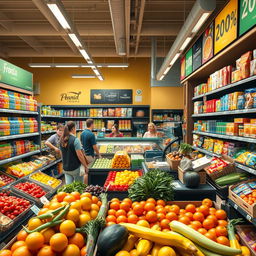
<point x="121" y="160"/>
<point x="137" y="160"/>
<point x="45" y="179"/>
<point x="129" y="149"/>
<point x="107" y="149"/>
<point x="121" y="181"/>
<point x="94" y="190"/>
<point x="231" y="178"/>
<point x="73" y="187"/>
<point x="175" y="156"/>
<point x="102" y="163"/>
<point x="5" y="179"/>
<point x="30" y="188"/>
<point x="12" y="206"/>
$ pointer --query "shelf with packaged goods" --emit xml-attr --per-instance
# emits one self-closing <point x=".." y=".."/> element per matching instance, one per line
<point x="50" y="116"/>
<point x="238" y="165"/>
<point x="47" y="132"/>
<point x="11" y="159"/>
<point x="224" y="113"/>
<point x="227" y="87"/>
<point x="18" y="136"/>
<point x="87" y="117"/>
<point x="227" y="137"/>
<point x="242" y="212"/>
<point x="168" y="121"/>
<point x="14" y="111"/>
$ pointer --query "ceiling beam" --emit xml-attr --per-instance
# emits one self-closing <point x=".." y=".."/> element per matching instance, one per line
<point x="127" y="25"/>
<point x="141" y="14"/>
<point x="5" y="22"/>
<point x="3" y="51"/>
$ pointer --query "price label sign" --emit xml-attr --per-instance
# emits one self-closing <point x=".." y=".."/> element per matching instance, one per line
<point x="226" y="26"/>
<point x="44" y="200"/>
<point x="247" y="15"/>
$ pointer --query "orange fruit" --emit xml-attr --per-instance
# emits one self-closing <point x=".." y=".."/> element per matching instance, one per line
<point x="196" y="224"/>
<point x="198" y="216"/>
<point x="175" y="208"/>
<point x="86" y="203"/>
<point x="5" y="252"/>
<point x="207" y="202"/>
<point x="93" y="214"/>
<point x="17" y="245"/>
<point x="58" y="242"/>
<point x="95" y="199"/>
<point x="122" y="253"/>
<point x="73" y="214"/>
<point x="223" y="223"/>
<point x="151" y="200"/>
<point x="164" y="224"/>
<point x="68" y="228"/>
<point x="34" y="241"/>
<point x="223" y="240"/>
<point x="160" y="216"/>
<point x="121" y="219"/>
<point x="221" y="231"/>
<point x="142" y="203"/>
<point x="159" y="207"/>
<point x="111" y="218"/>
<point x="120" y="212"/>
<point x="213" y="218"/>
<point x="203" y="231"/>
<point x="130" y="212"/>
<point x="149" y="207"/>
<point x="132" y="218"/>
<point x="143" y="223"/>
<point x="182" y="211"/>
<point x="61" y="196"/>
<point x="87" y="194"/>
<point x="77" y="239"/>
<point x="151" y="216"/>
<point x="95" y="207"/>
<point x="76" y="195"/>
<point x="71" y="250"/>
<point x="161" y="210"/>
<point x="46" y="251"/>
<point x="47" y="233"/>
<point x="42" y="211"/>
<point x="83" y="251"/>
<point x="204" y="210"/>
<point x="171" y="216"/>
<point x="133" y="252"/>
<point x="189" y="215"/>
<point x="34" y="223"/>
<point x="69" y="198"/>
<point x="184" y="220"/>
<point x="77" y="205"/>
<point x="212" y="231"/>
<point x="110" y="223"/>
<point x="135" y="203"/>
<point x="125" y="206"/>
<point x="211" y="236"/>
<point x="221" y="214"/>
<point x="112" y="212"/>
<point x="208" y="224"/>
<point x="115" y="205"/>
<point x="212" y="210"/>
<point x="54" y="205"/>
<point x="160" y="202"/>
<point x="190" y="208"/>
<point x="84" y="218"/>
<point x="22" y="251"/>
<point x="22" y="235"/>
<point x="138" y="209"/>
<point x="115" y="200"/>
<point x="128" y="200"/>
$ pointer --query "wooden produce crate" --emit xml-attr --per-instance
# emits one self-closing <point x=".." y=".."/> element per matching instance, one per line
<point x="250" y="209"/>
<point x="202" y="175"/>
<point x="226" y="170"/>
<point x="174" y="164"/>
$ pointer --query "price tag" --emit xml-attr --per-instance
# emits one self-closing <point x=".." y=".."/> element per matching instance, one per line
<point x="235" y="206"/>
<point x="35" y="209"/>
<point x="248" y="217"/>
<point x="50" y="182"/>
<point x="226" y="26"/>
<point x="44" y="200"/>
<point x="247" y="15"/>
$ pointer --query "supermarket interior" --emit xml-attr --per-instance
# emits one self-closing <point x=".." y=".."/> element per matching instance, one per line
<point x="127" y="128"/>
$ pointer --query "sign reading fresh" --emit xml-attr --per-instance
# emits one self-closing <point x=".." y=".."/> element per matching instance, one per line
<point x="189" y="67"/>
<point x="226" y="26"/>
<point x="247" y="15"/>
<point x="15" y="76"/>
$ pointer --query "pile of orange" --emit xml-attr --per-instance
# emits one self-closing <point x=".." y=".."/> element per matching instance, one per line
<point x="62" y="239"/>
<point x="158" y="214"/>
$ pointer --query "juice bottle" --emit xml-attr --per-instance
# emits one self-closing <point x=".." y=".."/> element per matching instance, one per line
<point x="31" y="125"/>
<point x="11" y="100"/>
<point x="23" y="102"/>
<point x="35" y="123"/>
<point x="6" y="126"/>
<point x="31" y="104"/>
<point x="21" y="125"/>
<point x="2" y="126"/>
<point x="4" y="99"/>
<point x="17" y="101"/>
<point x="26" y="125"/>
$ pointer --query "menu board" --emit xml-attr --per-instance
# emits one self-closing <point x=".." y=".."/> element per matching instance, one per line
<point x="247" y="15"/>
<point x="183" y="68"/>
<point x="111" y="96"/>
<point x="197" y="54"/>
<point x="225" y="30"/>
<point x="188" y="63"/>
<point x="207" y="52"/>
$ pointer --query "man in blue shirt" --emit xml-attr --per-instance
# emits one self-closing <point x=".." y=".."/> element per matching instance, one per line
<point x="89" y="141"/>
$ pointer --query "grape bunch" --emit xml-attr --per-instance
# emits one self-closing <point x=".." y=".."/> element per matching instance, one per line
<point x="95" y="190"/>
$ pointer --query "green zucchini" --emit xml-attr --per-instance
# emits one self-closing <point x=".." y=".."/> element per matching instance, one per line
<point x="206" y="252"/>
<point x="231" y="179"/>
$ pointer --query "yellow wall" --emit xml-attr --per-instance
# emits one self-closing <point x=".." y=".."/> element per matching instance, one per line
<point x="55" y="81"/>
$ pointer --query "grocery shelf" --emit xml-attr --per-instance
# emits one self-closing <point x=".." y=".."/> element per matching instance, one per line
<point x="49" y="165"/>
<point x="241" y="211"/>
<point x="18" y="136"/>
<point x="163" y="121"/>
<point x="238" y="165"/>
<point x="234" y="85"/>
<point x="228" y="137"/>
<point x="231" y="112"/>
<point x="45" y="116"/>
<point x="47" y="132"/>
<point x="14" y="111"/>
<point x="11" y="159"/>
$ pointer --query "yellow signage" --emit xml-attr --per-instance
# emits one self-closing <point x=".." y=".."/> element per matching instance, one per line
<point x="226" y="26"/>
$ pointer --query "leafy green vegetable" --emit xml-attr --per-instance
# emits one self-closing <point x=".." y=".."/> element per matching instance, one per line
<point x="75" y="186"/>
<point x="185" y="149"/>
<point x="155" y="183"/>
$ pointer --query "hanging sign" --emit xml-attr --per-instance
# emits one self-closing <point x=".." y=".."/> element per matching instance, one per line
<point x="189" y="61"/>
<point x="207" y="52"/>
<point x="247" y="15"/>
<point x="197" y="54"/>
<point x="226" y="26"/>
<point x="15" y="76"/>
<point x="183" y="68"/>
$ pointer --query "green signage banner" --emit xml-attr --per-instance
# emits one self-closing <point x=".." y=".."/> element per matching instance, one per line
<point x="247" y="15"/>
<point x="15" y="76"/>
<point x="189" y="67"/>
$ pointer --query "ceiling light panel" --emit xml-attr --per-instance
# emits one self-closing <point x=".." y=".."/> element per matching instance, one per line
<point x="75" y="40"/>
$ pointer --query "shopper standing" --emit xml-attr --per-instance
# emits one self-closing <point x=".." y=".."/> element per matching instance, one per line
<point x="72" y="155"/>
<point x="53" y="142"/>
<point x="152" y="131"/>
<point x="89" y="141"/>
<point x="115" y="131"/>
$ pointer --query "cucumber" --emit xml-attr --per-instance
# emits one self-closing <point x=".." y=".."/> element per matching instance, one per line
<point x="231" y="179"/>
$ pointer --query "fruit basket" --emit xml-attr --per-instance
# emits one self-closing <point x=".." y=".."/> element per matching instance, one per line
<point x="6" y="179"/>
<point x="26" y="203"/>
<point x="30" y="190"/>
<point x="173" y="159"/>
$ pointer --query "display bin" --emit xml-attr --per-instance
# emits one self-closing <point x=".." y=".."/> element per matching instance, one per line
<point x="226" y="170"/>
<point x="12" y="177"/>
<point x="28" y="196"/>
<point x="202" y="175"/>
<point x="174" y="164"/>
<point x="250" y="209"/>
<point x="5" y="227"/>
<point x="221" y="191"/>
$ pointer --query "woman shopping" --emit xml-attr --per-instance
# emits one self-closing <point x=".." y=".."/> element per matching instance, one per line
<point x="73" y="158"/>
<point x="152" y="131"/>
<point x="115" y="131"/>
